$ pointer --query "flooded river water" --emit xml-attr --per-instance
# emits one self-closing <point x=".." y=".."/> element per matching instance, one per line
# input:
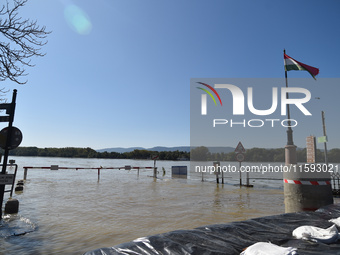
<point x="72" y="211"/>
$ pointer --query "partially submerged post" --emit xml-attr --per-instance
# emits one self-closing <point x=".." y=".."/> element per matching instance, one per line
<point x="25" y="173"/>
<point x="307" y="187"/>
<point x="12" y="206"/>
<point x="240" y="157"/>
<point x="307" y="190"/>
<point x="240" y="173"/>
<point x="217" y="170"/>
<point x="12" y="138"/>
<point x="154" y="166"/>
<point x="155" y="170"/>
<point x="222" y="173"/>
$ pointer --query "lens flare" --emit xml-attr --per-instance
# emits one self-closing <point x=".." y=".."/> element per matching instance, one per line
<point x="77" y="19"/>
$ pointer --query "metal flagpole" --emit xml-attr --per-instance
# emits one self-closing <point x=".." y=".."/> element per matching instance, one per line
<point x="289" y="131"/>
<point x="290" y="148"/>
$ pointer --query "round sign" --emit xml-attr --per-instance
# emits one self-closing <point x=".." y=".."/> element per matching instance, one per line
<point x="15" y="139"/>
<point x="240" y="157"/>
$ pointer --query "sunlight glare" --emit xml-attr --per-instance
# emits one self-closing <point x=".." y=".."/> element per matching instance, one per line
<point x="77" y="19"/>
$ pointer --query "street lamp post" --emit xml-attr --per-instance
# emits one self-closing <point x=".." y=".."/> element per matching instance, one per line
<point x="325" y="136"/>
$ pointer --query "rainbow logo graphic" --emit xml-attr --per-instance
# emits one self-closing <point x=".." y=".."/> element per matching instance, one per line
<point x="209" y="93"/>
<point x="204" y="97"/>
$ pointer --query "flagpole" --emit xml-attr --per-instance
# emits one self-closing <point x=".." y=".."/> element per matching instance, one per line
<point x="290" y="148"/>
<point x="289" y="131"/>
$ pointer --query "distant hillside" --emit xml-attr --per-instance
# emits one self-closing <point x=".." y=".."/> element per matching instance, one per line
<point x="158" y="148"/>
<point x="120" y="150"/>
<point x="161" y="148"/>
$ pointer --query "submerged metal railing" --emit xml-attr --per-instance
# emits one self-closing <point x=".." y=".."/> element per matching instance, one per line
<point x="56" y="167"/>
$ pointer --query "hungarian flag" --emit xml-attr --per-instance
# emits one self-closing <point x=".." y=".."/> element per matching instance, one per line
<point x="292" y="64"/>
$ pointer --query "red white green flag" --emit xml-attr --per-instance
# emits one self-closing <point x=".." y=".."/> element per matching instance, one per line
<point x="292" y="64"/>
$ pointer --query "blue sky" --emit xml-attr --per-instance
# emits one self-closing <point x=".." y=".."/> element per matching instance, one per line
<point x="122" y="78"/>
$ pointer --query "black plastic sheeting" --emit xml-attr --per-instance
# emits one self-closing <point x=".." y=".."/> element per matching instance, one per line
<point x="232" y="238"/>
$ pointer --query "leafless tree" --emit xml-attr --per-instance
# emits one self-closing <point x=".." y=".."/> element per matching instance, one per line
<point x="20" y="40"/>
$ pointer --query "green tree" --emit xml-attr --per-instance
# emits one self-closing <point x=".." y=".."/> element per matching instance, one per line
<point x="334" y="156"/>
<point x="200" y="153"/>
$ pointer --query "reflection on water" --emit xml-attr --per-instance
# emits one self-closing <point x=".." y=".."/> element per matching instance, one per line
<point x="71" y="212"/>
<point x="15" y="225"/>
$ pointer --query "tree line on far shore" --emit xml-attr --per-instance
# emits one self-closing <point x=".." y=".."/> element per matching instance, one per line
<point x="72" y="152"/>
<point x="262" y="155"/>
<point x="199" y="153"/>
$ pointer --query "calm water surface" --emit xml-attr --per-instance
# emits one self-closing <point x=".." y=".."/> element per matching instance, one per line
<point x="71" y="212"/>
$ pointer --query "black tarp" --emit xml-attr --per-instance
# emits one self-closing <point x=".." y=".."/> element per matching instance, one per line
<point x="232" y="238"/>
